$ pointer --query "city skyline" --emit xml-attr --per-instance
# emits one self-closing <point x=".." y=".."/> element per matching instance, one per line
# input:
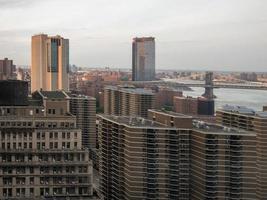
<point x="219" y="35"/>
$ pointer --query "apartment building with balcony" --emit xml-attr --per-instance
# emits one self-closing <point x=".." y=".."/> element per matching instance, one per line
<point x="142" y="159"/>
<point x="125" y="101"/>
<point x="247" y="119"/>
<point x="223" y="162"/>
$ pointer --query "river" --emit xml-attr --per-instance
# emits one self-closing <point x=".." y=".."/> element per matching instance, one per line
<point x="255" y="99"/>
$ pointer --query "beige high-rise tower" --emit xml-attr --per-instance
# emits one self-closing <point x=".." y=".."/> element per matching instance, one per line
<point x="50" y="63"/>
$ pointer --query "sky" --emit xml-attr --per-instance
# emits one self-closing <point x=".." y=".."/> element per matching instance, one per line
<point x="225" y="35"/>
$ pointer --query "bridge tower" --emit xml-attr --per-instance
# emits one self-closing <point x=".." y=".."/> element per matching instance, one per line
<point x="209" y="86"/>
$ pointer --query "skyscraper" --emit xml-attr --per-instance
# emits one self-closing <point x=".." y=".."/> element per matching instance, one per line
<point x="50" y="63"/>
<point x="143" y="59"/>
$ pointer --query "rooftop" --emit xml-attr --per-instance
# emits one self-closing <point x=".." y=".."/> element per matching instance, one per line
<point x="53" y="94"/>
<point x="138" y="122"/>
<point x="143" y="39"/>
<point x="79" y="96"/>
<point x="217" y="129"/>
<point x="244" y="111"/>
<point x="238" y="109"/>
<point x="170" y="113"/>
<point x="130" y="90"/>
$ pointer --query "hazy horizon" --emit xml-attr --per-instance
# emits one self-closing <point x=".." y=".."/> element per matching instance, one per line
<point x="220" y="35"/>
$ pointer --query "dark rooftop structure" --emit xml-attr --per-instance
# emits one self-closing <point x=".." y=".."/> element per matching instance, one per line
<point x="13" y="93"/>
<point x="53" y="94"/>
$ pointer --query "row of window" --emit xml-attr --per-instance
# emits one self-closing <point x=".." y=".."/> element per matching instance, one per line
<point x="37" y="124"/>
<point x="21" y="192"/>
<point x="56" y="135"/>
<point x="39" y="135"/>
<point x="44" y="180"/>
<point x="45" y="170"/>
<point x="43" y="157"/>
<point x="39" y="145"/>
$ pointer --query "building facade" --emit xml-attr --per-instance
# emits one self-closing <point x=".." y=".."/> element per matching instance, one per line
<point x="222" y="163"/>
<point x="164" y="97"/>
<point x="142" y="159"/>
<point x="7" y="69"/>
<point x="247" y="119"/>
<point x="41" y="154"/>
<point x="84" y="108"/>
<point x="193" y="106"/>
<point x="127" y="101"/>
<point x="185" y="105"/>
<point x="143" y="59"/>
<point x="50" y="63"/>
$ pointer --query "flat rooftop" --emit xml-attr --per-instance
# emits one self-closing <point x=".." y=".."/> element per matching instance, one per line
<point x="243" y="110"/>
<point x="170" y="113"/>
<point x="211" y="128"/>
<point x="138" y="122"/>
<point x="130" y="90"/>
<point x="53" y="94"/>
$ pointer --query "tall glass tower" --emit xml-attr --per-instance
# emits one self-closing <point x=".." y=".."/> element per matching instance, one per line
<point x="143" y="55"/>
<point x="50" y="63"/>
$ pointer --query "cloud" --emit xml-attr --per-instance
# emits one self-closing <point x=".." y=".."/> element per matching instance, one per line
<point x="189" y="33"/>
<point x="15" y="3"/>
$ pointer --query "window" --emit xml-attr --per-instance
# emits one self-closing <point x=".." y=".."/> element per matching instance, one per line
<point x="63" y="135"/>
<point x="30" y="157"/>
<point x="54" y="111"/>
<point x="68" y="135"/>
<point x="55" y="145"/>
<point x="63" y="145"/>
<point x="51" y="145"/>
<point x="31" y="191"/>
<point x="43" y="135"/>
<point x="68" y="145"/>
<point x="38" y="135"/>
<point x="30" y="145"/>
<point x="75" y="145"/>
<point x="31" y="180"/>
<point x="25" y="145"/>
<point x="37" y="111"/>
<point x="49" y="111"/>
<point x="56" y="135"/>
<point x="51" y="135"/>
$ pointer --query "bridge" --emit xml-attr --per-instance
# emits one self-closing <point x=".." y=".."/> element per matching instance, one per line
<point x="230" y="86"/>
<point x="185" y="86"/>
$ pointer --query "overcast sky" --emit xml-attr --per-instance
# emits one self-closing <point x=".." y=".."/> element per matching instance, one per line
<point x="190" y="34"/>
